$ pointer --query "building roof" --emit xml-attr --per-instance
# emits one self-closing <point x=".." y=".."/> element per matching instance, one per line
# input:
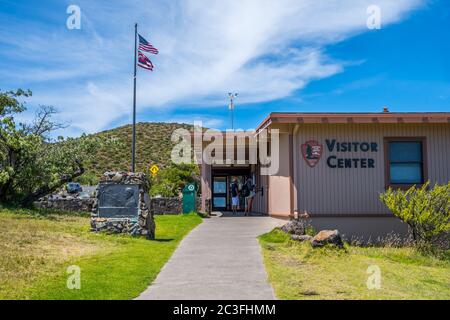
<point x="367" y="117"/>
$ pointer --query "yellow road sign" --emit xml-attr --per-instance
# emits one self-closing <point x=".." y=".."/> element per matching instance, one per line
<point x="154" y="170"/>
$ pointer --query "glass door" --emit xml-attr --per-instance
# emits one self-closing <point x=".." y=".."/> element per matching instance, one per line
<point x="219" y="193"/>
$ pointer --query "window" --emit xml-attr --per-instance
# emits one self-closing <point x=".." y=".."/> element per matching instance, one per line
<point x="405" y="161"/>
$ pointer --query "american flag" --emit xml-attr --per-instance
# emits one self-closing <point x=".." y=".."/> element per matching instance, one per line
<point x="144" y="62"/>
<point x="145" y="46"/>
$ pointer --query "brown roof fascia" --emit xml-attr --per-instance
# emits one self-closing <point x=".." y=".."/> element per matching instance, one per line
<point x="330" y="118"/>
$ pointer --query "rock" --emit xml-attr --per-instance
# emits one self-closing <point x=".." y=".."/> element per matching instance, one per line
<point x="162" y="205"/>
<point x="327" y="237"/>
<point x="143" y="223"/>
<point x="68" y="203"/>
<point x="302" y="237"/>
<point x="117" y="177"/>
<point x="295" y="226"/>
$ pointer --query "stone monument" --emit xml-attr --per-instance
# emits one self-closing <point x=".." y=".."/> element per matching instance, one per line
<point x="123" y="205"/>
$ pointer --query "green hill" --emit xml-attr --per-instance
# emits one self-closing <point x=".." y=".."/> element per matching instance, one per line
<point x="153" y="146"/>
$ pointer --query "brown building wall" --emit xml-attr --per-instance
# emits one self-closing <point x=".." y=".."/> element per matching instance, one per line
<point x="205" y="180"/>
<point x="260" y="201"/>
<point x="279" y="183"/>
<point x="355" y="191"/>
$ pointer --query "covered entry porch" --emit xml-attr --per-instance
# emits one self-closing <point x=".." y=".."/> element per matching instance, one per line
<point x="216" y="183"/>
<point x="222" y="179"/>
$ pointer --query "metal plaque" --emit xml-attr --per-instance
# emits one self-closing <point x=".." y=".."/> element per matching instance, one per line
<point x="118" y="200"/>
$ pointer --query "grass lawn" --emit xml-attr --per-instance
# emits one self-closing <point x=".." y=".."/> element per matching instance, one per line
<point x="297" y="271"/>
<point x="36" y="249"/>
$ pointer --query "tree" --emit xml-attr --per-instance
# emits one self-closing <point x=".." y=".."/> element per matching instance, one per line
<point x="426" y="210"/>
<point x="11" y="140"/>
<point x="31" y="164"/>
<point x="170" y="181"/>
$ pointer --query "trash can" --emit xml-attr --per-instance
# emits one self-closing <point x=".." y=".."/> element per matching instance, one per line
<point x="189" y="195"/>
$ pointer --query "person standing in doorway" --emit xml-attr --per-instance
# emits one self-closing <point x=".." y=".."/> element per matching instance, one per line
<point x="249" y="193"/>
<point x="234" y="196"/>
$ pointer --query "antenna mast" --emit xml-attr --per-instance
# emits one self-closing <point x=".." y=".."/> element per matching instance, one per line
<point x="232" y="96"/>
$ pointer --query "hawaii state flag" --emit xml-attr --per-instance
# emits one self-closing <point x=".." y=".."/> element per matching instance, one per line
<point x="144" y="62"/>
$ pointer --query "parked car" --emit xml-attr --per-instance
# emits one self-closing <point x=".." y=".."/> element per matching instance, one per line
<point x="73" y="187"/>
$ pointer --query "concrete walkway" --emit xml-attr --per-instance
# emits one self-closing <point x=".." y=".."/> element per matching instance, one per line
<point x="220" y="259"/>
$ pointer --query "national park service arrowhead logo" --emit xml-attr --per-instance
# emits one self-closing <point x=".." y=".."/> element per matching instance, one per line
<point x="312" y="151"/>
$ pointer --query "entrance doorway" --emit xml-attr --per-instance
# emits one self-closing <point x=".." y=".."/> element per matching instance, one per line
<point x="221" y="187"/>
<point x="220" y="193"/>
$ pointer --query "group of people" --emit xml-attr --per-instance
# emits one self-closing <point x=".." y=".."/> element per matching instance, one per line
<point x="247" y="192"/>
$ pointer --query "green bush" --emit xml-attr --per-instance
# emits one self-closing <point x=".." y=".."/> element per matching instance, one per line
<point x="170" y="181"/>
<point x="88" y="178"/>
<point x="426" y="211"/>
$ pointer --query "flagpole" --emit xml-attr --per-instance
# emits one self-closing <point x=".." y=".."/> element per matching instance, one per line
<point x="133" y="147"/>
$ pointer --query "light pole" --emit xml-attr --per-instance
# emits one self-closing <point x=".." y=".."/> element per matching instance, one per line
<point x="232" y="96"/>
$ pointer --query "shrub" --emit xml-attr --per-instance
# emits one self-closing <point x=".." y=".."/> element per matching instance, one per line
<point x="88" y="178"/>
<point x="170" y="181"/>
<point x="426" y="211"/>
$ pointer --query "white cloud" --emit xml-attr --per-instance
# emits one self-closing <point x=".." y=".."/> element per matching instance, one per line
<point x="263" y="49"/>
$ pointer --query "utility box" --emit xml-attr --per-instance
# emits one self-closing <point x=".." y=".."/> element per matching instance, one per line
<point x="189" y="195"/>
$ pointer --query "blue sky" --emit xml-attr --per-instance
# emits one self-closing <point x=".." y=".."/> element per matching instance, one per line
<point x="288" y="55"/>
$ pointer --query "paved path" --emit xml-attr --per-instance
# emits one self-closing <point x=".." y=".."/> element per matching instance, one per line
<point x="220" y="259"/>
